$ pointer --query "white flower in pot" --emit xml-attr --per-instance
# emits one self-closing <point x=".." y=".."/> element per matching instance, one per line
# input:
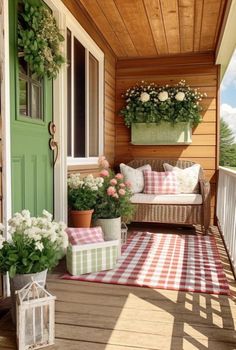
<point x="144" y="97"/>
<point x="180" y="96"/>
<point x="163" y="96"/>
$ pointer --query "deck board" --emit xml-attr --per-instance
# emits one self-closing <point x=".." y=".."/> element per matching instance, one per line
<point x="96" y="316"/>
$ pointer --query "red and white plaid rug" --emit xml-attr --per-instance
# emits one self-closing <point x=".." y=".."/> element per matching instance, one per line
<point x="166" y="261"/>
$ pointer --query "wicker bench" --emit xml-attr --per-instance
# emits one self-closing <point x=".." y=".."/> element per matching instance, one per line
<point x="183" y="214"/>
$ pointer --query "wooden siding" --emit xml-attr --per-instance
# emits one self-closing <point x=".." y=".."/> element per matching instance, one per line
<point x="109" y="70"/>
<point x="198" y="71"/>
<point x="138" y="28"/>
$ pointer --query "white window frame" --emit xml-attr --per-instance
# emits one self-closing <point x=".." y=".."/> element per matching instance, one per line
<point x="90" y="47"/>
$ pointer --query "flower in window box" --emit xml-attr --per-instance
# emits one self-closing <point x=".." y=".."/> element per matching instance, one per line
<point x="180" y="96"/>
<point x="149" y="103"/>
<point x="144" y="97"/>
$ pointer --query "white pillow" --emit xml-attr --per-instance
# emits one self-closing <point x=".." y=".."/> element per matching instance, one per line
<point x="187" y="178"/>
<point x="134" y="176"/>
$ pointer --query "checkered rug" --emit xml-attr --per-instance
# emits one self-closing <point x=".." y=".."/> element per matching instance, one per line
<point x="166" y="261"/>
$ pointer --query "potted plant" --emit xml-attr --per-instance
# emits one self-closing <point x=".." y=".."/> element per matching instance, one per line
<point x="161" y="115"/>
<point x="35" y="246"/>
<point x="82" y="196"/>
<point x="113" y="202"/>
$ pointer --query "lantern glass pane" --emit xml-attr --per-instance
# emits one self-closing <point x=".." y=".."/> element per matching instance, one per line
<point x="37" y="325"/>
<point x="29" y="339"/>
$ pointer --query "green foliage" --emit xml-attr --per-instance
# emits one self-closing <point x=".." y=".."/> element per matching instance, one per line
<point x="20" y="256"/>
<point x="39" y="38"/>
<point x="83" y="193"/>
<point x="82" y="199"/>
<point x="148" y="103"/>
<point x="35" y="244"/>
<point x="227" y="145"/>
<point x="113" y="198"/>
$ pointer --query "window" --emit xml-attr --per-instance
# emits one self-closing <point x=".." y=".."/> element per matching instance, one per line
<point x="84" y="98"/>
<point x="30" y="93"/>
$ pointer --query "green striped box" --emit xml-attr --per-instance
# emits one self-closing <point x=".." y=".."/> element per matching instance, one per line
<point x="94" y="257"/>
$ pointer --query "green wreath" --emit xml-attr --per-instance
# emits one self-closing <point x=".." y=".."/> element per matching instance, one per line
<point x="39" y="38"/>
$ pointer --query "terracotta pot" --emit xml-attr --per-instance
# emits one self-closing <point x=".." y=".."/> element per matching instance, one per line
<point x="81" y="218"/>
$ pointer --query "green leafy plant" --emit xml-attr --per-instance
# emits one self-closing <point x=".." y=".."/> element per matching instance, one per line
<point x="83" y="193"/>
<point x="227" y="145"/>
<point x="39" y="38"/>
<point x="114" y="195"/>
<point x="35" y="244"/>
<point x="148" y="103"/>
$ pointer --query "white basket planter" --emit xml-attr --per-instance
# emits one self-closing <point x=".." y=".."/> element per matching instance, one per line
<point x="93" y="257"/>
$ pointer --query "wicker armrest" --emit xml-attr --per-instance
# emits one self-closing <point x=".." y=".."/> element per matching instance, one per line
<point x="205" y="190"/>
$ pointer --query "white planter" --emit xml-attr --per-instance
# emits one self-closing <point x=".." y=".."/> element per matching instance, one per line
<point x="111" y="229"/>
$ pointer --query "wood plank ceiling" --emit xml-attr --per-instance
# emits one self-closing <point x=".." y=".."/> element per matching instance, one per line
<point x="148" y="28"/>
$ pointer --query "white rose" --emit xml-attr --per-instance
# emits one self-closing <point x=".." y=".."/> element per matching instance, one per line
<point x="144" y="97"/>
<point x="180" y="96"/>
<point x="163" y="96"/>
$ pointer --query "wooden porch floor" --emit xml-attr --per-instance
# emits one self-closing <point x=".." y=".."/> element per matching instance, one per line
<point x="93" y="316"/>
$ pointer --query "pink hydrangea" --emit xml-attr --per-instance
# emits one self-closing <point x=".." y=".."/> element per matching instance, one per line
<point x="104" y="173"/>
<point x="111" y="191"/>
<point x="122" y="185"/>
<point x="119" y="176"/>
<point x="103" y="162"/>
<point x="128" y="184"/>
<point x="115" y="195"/>
<point x="113" y="182"/>
<point x="121" y="192"/>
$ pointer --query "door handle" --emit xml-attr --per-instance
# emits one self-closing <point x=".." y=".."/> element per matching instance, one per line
<point x="52" y="128"/>
<point x="53" y="145"/>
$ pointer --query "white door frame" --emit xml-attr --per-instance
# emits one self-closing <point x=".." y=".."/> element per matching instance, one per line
<point x="60" y="120"/>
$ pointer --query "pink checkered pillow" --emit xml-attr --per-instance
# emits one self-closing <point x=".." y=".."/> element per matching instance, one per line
<point x="84" y="235"/>
<point x="160" y="182"/>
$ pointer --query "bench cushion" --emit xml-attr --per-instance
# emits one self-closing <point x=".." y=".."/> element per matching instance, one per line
<point x="183" y="198"/>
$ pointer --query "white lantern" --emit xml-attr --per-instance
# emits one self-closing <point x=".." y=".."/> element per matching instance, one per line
<point x="35" y="317"/>
<point x="124" y="232"/>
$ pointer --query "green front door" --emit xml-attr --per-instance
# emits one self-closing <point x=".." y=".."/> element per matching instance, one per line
<point x="31" y="113"/>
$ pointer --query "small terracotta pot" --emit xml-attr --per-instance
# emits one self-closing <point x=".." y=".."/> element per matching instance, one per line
<point x="81" y="218"/>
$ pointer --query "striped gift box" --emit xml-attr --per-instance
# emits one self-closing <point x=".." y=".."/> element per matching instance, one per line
<point x="93" y="257"/>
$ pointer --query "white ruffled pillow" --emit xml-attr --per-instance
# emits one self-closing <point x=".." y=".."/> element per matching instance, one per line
<point x="134" y="176"/>
<point x="187" y="178"/>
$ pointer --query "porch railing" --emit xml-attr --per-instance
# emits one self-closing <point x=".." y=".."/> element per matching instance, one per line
<point x="226" y="210"/>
